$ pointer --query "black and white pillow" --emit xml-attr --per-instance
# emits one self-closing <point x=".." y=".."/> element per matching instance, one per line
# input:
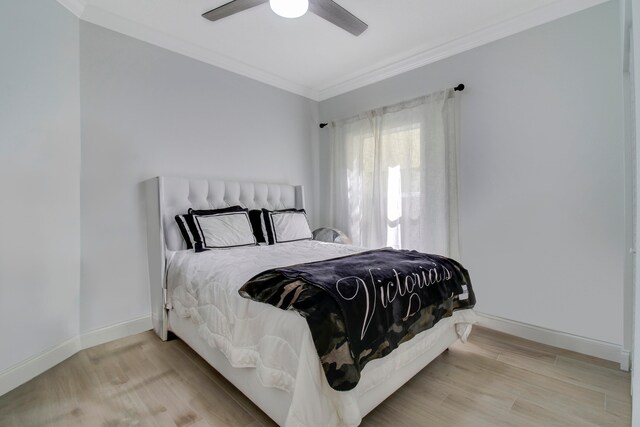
<point x="236" y="208"/>
<point x="224" y="230"/>
<point x="189" y="229"/>
<point x="286" y="225"/>
<point x="255" y="216"/>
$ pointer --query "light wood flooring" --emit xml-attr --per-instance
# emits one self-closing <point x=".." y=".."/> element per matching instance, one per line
<point x="493" y="380"/>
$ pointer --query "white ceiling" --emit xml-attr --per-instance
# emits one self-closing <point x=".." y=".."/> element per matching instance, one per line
<point x="312" y="57"/>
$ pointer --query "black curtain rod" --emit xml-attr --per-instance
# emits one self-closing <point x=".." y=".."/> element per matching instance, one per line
<point x="458" y="88"/>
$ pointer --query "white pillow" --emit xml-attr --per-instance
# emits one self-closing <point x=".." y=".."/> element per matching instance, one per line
<point x="287" y="226"/>
<point x="225" y="230"/>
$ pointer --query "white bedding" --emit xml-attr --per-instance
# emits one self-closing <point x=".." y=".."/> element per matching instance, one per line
<point x="277" y="343"/>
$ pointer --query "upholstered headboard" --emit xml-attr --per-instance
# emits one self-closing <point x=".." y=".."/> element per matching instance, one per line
<point x="167" y="197"/>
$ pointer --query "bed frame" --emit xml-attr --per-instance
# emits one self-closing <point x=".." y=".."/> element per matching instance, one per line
<point x="169" y="196"/>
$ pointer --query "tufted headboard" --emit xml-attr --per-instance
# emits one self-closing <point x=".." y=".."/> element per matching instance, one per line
<point x="167" y="197"/>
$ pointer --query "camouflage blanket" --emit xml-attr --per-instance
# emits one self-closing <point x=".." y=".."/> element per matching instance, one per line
<point x="361" y="307"/>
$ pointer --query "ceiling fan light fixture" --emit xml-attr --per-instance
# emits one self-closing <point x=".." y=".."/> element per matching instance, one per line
<point x="289" y="8"/>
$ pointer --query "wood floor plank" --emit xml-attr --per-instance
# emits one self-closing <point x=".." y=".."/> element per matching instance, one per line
<point x="612" y="381"/>
<point x="541" y="415"/>
<point x="192" y="386"/>
<point x="583" y="402"/>
<point x="223" y="383"/>
<point x="494" y="380"/>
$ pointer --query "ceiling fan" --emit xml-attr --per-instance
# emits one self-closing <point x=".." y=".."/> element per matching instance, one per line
<point x="326" y="9"/>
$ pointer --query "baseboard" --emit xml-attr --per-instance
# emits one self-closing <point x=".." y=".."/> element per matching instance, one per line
<point x="114" y="332"/>
<point x="579" y="344"/>
<point x="34" y="366"/>
<point x="625" y="361"/>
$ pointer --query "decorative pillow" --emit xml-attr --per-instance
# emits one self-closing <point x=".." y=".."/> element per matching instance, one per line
<point x="286" y="225"/>
<point x="255" y="216"/>
<point x="188" y="228"/>
<point x="224" y="230"/>
<point x="216" y="211"/>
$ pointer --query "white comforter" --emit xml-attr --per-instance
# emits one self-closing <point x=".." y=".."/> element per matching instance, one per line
<point x="278" y="343"/>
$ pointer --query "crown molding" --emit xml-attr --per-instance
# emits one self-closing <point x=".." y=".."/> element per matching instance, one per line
<point x="378" y="72"/>
<point x="74" y="6"/>
<point x="504" y="29"/>
<point x="111" y="21"/>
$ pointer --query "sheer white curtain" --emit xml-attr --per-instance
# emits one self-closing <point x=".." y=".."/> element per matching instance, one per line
<point x="394" y="175"/>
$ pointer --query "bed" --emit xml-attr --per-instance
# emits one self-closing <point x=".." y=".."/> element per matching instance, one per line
<point x="267" y="353"/>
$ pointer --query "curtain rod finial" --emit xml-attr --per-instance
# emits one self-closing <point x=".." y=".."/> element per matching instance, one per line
<point x="459" y="88"/>
<point x="322" y="125"/>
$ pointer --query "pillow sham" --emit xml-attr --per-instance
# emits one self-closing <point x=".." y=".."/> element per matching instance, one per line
<point x="255" y="216"/>
<point x="287" y="225"/>
<point x="188" y="228"/>
<point x="224" y="230"/>
<point x="236" y="208"/>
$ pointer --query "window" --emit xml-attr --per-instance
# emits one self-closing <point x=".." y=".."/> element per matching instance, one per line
<point x="394" y="175"/>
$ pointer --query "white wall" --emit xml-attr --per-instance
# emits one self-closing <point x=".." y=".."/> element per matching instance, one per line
<point x="632" y="14"/>
<point x="630" y="172"/>
<point x="39" y="178"/>
<point x="147" y="112"/>
<point x="542" y="169"/>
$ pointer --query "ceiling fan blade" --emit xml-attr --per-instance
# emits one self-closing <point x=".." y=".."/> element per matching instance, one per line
<point x="337" y="15"/>
<point x="231" y="8"/>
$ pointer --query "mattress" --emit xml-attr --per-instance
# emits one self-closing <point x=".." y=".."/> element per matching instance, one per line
<point x="203" y="288"/>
